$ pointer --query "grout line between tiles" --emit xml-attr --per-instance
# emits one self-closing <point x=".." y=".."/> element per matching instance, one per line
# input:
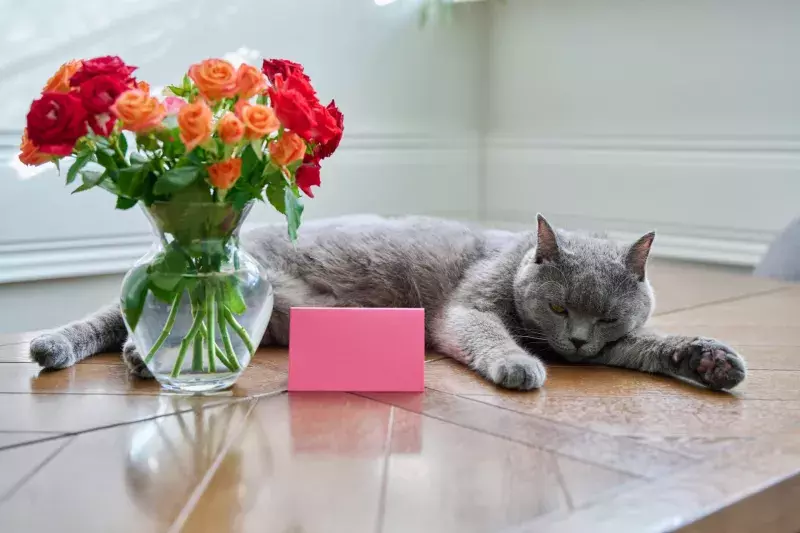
<point x="10" y="492"/>
<point x="119" y="424"/>
<point x="534" y="446"/>
<point x="190" y="504"/>
<point x="722" y="301"/>
<point x="385" y="468"/>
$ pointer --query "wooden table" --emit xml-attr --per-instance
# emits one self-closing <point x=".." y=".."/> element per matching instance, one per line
<point x="90" y="449"/>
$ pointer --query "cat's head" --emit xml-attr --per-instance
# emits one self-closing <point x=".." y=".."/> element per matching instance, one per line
<point x="581" y="292"/>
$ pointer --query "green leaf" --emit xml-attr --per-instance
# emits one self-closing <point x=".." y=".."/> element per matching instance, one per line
<point x="275" y="195"/>
<point x="125" y="203"/>
<point x="134" y="293"/>
<point x="139" y="159"/>
<point x="178" y="91"/>
<point x="123" y="144"/>
<point x="165" y="282"/>
<point x="294" y="212"/>
<point x="164" y="296"/>
<point x="57" y="163"/>
<point x="233" y="296"/>
<point x="167" y="271"/>
<point x="79" y="163"/>
<point x="256" y="145"/>
<point x="250" y="161"/>
<point x="239" y="198"/>
<point x="91" y="179"/>
<point x="105" y="159"/>
<point x="131" y="180"/>
<point x="293" y="166"/>
<point x="175" y="180"/>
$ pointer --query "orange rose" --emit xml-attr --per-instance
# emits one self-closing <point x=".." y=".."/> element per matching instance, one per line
<point x="215" y="79"/>
<point x="194" y="121"/>
<point x="250" y="81"/>
<point x="30" y="154"/>
<point x="139" y="111"/>
<point x="290" y="147"/>
<point x="59" y="82"/>
<point x="143" y="86"/>
<point x="259" y="121"/>
<point x="224" y="174"/>
<point x="230" y="129"/>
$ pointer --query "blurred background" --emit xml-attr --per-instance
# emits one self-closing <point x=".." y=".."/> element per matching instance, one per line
<point x="622" y="115"/>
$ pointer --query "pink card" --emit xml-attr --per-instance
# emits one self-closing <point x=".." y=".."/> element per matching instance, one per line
<point x="356" y="349"/>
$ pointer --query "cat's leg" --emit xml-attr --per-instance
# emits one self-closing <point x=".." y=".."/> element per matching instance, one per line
<point x="134" y="360"/>
<point x="699" y="359"/>
<point x="103" y="331"/>
<point x="480" y="340"/>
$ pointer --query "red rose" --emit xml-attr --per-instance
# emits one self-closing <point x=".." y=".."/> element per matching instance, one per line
<point x="307" y="176"/>
<point x="293" y="110"/>
<point x="297" y="81"/>
<point x="326" y="149"/>
<point x="107" y="65"/>
<point x="325" y="128"/>
<point x="103" y="124"/>
<point x="55" y="122"/>
<point x="98" y="94"/>
<point x="284" y="67"/>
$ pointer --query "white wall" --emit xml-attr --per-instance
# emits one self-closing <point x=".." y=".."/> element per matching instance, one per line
<point x="629" y="115"/>
<point x="409" y="97"/>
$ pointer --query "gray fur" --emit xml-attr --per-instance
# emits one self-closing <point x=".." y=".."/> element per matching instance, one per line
<point x="489" y="298"/>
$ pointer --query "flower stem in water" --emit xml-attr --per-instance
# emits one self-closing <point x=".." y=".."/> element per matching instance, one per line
<point x="173" y="312"/>
<point x="239" y="331"/>
<point x="226" y="338"/>
<point x="198" y="321"/>
<point x="210" y="325"/>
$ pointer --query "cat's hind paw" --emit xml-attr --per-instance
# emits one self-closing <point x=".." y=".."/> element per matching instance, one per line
<point x="52" y="350"/>
<point x="714" y="364"/>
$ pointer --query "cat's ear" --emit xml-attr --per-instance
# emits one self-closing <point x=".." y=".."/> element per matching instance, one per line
<point x="546" y="242"/>
<point x="636" y="259"/>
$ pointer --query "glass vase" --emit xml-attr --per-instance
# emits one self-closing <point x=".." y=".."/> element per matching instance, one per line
<point x="197" y="304"/>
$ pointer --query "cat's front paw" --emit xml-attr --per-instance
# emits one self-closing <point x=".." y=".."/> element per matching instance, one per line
<point x="516" y="370"/>
<point x="134" y="361"/>
<point x="52" y="350"/>
<point x="712" y="363"/>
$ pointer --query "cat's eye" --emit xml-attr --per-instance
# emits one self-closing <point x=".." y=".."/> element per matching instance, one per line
<point x="608" y="320"/>
<point x="559" y="310"/>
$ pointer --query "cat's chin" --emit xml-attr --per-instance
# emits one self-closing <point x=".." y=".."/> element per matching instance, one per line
<point x="572" y="356"/>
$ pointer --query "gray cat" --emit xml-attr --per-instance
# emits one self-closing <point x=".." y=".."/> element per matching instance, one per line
<point x="499" y="302"/>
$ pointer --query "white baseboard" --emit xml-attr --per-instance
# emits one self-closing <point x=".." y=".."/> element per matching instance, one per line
<point x="710" y="199"/>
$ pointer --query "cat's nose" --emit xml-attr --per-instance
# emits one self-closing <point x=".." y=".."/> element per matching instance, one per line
<point x="577" y="342"/>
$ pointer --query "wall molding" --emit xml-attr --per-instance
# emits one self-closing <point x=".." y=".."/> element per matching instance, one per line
<point x="627" y="185"/>
<point x="669" y="244"/>
<point x="519" y="177"/>
<point x="88" y="256"/>
<point x="650" y="143"/>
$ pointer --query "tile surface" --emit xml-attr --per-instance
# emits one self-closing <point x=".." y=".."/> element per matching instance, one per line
<point x="596" y="449"/>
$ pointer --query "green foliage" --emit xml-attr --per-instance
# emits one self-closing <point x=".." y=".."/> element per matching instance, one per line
<point x="294" y="212"/>
<point x="77" y="166"/>
<point x="175" y="179"/>
<point x="91" y="179"/>
<point x="134" y="293"/>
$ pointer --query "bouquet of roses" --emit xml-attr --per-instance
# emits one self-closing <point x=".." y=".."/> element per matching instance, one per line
<point x="195" y="158"/>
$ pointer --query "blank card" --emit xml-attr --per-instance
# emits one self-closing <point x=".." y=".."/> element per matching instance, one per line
<point x="356" y="349"/>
